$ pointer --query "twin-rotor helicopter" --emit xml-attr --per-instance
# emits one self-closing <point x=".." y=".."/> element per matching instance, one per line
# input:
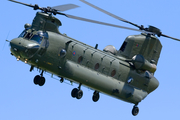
<point x="126" y="74"/>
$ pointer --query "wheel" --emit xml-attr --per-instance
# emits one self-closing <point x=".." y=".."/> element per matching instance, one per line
<point x="96" y="96"/>
<point x="135" y="111"/>
<point x="36" y="79"/>
<point x="41" y="81"/>
<point x="74" y="92"/>
<point x="61" y="80"/>
<point x="79" y="94"/>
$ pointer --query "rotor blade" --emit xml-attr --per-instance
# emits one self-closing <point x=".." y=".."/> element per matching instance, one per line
<point x="110" y="14"/>
<point x="35" y="7"/>
<point x="113" y="25"/>
<point x="170" y="37"/>
<point x="22" y="3"/>
<point x="102" y="23"/>
<point x="65" y="7"/>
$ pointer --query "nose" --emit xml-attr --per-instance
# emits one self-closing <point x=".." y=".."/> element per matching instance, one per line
<point x="16" y="44"/>
<point x="23" y="48"/>
<point x="153" y="84"/>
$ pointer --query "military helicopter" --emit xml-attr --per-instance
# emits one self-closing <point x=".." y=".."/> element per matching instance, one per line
<point x="126" y="74"/>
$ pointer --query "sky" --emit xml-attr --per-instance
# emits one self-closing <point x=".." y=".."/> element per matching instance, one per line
<point x="20" y="99"/>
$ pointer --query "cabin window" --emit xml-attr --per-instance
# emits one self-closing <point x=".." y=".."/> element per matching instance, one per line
<point x="96" y="67"/>
<point x="130" y="80"/>
<point x="113" y="73"/>
<point x="123" y="46"/>
<point x="80" y="59"/>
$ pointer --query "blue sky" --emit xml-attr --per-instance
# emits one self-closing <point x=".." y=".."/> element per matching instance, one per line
<point x="20" y="99"/>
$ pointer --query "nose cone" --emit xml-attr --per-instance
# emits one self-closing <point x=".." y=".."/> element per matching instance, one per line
<point x="153" y="84"/>
<point x="23" y="48"/>
<point x="16" y="44"/>
<point x="16" y="47"/>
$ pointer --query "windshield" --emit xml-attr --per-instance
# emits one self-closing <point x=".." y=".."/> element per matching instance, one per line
<point x="22" y="34"/>
<point x="37" y="38"/>
<point x="34" y="36"/>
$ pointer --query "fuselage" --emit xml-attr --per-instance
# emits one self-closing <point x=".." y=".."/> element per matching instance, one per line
<point x="65" y="57"/>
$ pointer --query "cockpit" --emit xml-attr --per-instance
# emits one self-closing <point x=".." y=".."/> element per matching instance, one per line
<point x="36" y="36"/>
<point x="29" y="43"/>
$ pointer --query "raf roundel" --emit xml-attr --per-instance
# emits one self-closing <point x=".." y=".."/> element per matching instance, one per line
<point x="74" y="53"/>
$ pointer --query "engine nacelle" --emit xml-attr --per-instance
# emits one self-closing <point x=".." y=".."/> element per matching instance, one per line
<point x="141" y="63"/>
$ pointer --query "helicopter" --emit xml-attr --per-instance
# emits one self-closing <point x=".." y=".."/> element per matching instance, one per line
<point x="127" y="73"/>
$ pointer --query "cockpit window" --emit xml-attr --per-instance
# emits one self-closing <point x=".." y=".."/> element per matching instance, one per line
<point x="37" y="38"/>
<point x="34" y="36"/>
<point x="22" y="34"/>
<point x="28" y="35"/>
<point x="25" y="34"/>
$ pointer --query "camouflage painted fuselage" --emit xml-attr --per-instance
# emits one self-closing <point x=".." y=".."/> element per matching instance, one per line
<point x="99" y="70"/>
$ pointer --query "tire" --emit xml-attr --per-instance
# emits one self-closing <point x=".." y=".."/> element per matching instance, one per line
<point x="41" y="81"/>
<point x="36" y="79"/>
<point x="95" y="97"/>
<point x="135" y="111"/>
<point x="74" y="92"/>
<point x="79" y="94"/>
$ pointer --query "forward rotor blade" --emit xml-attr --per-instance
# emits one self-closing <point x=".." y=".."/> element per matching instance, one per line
<point x="110" y="14"/>
<point x="65" y="7"/>
<point x="102" y="23"/>
<point x="29" y="5"/>
<point x="170" y="37"/>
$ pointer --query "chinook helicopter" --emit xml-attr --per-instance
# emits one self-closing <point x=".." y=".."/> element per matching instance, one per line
<point x="126" y="74"/>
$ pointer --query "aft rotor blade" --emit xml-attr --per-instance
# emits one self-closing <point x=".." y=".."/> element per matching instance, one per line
<point x="102" y="23"/>
<point x="170" y="37"/>
<point x="65" y="7"/>
<point x="110" y="14"/>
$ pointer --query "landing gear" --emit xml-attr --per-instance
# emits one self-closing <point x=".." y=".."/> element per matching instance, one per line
<point x="135" y="110"/>
<point x="95" y="96"/>
<point x="31" y="69"/>
<point x="74" y="92"/>
<point x="61" y="80"/>
<point x="77" y="92"/>
<point x="39" y="80"/>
